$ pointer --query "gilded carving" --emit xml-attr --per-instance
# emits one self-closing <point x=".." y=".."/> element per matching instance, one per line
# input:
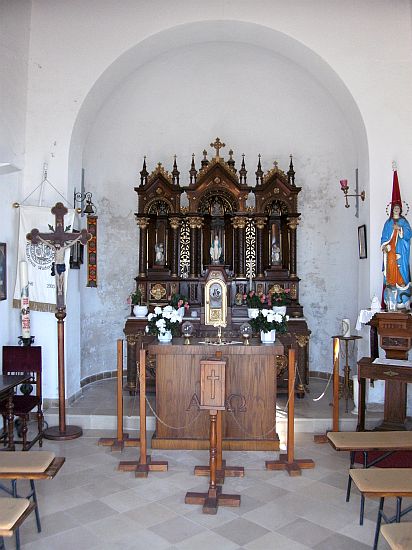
<point x="260" y="223"/>
<point x="293" y="223"/>
<point x="142" y="223"/>
<point x="281" y="365"/>
<point x="160" y="170"/>
<point x="293" y="291"/>
<point x="302" y="340"/>
<point x="239" y="222"/>
<point x="174" y="223"/>
<point x="158" y="291"/>
<point x="195" y="222"/>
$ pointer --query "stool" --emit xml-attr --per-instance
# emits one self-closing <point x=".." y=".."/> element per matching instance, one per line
<point x="31" y="465"/>
<point x="364" y="442"/>
<point x="398" y="535"/>
<point x="13" y="511"/>
<point x="381" y="483"/>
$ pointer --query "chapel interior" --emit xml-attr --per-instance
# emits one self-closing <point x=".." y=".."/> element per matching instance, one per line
<point x="205" y="281"/>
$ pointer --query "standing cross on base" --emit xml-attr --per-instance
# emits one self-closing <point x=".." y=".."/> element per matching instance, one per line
<point x="59" y="241"/>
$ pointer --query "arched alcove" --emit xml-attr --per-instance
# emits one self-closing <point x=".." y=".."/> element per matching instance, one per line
<point x="260" y="91"/>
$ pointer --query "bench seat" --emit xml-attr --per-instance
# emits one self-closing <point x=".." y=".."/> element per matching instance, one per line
<point x="398" y="535"/>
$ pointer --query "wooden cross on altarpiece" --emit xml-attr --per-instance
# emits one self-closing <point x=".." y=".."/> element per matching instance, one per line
<point x="59" y="241"/>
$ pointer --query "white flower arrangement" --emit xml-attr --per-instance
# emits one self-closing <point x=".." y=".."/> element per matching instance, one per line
<point x="162" y="320"/>
<point x="266" y="320"/>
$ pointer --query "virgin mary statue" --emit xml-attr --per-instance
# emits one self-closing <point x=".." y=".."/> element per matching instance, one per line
<point x="395" y="245"/>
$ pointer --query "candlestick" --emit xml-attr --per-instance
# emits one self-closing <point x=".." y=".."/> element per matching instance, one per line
<point x="24" y="301"/>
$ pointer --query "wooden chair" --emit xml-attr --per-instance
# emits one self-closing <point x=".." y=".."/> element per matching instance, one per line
<point x="398" y="535"/>
<point x="31" y="465"/>
<point x="381" y="483"/>
<point x="13" y="511"/>
<point x="25" y="359"/>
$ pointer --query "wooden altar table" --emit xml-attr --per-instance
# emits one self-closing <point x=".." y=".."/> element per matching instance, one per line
<point x="249" y="422"/>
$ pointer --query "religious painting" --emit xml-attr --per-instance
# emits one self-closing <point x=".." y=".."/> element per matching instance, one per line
<point x="3" y="272"/>
<point x="362" y="242"/>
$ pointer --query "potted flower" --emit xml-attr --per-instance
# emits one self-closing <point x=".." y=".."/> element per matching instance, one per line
<point x="280" y="299"/>
<point x="254" y="302"/>
<point x="179" y="302"/>
<point x="267" y="322"/>
<point x="135" y="299"/>
<point x="163" y="323"/>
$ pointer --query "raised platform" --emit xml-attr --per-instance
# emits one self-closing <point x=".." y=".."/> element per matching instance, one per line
<point x="96" y="410"/>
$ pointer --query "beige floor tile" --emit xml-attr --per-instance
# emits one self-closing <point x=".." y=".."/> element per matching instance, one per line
<point x="241" y="531"/>
<point x="90" y="511"/>
<point x="305" y="532"/>
<point x="150" y="514"/>
<point x="177" y="529"/>
<point x="275" y="541"/>
<point x="206" y="541"/>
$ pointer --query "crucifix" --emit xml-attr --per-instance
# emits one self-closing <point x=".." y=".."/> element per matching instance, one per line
<point x="59" y="240"/>
<point x="217" y="145"/>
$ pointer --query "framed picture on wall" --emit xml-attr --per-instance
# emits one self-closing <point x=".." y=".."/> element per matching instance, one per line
<point x="3" y="272"/>
<point x="363" y="253"/>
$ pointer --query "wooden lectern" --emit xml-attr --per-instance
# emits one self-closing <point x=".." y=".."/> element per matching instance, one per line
<point x="212" y="398"/>
<point x="395" y="337"/>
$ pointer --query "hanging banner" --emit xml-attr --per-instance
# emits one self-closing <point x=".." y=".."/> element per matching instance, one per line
<point x="92" y="251"/>
<point x="39" y="257"/>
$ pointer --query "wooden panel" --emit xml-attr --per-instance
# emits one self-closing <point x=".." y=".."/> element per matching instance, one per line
<point x="250" y="396"/>
<point x="212" y="384"/>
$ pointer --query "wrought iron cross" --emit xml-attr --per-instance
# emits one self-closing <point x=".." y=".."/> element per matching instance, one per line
<point x="59" y="240"/>
<point x="217" y="145"/>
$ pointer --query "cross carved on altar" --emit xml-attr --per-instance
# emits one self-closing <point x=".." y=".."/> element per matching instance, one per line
<point x="59" y="241"/>
<point x="217" y="145"/>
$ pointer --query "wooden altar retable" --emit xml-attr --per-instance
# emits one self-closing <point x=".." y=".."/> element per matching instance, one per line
<point x="250" y="419"/>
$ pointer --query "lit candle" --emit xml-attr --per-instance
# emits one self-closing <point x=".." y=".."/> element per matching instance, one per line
<point x="344" y="184"/>
<point x="24" y="301"/>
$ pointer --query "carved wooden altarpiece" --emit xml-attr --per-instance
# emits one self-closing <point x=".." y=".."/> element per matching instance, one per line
<point x="257" y="245"/>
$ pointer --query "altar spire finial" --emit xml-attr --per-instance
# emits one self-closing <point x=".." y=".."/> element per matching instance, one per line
<point x="217" y="144"/>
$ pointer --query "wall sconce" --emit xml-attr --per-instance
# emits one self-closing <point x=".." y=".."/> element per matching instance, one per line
<point x="85" y="201"/>
<point x="345" y="188"/>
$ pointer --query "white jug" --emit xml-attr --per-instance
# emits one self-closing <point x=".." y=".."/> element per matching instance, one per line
<point x="345" y="328"/>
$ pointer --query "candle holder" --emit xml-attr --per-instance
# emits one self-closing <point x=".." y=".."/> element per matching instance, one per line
<point x="345" y="189"/>
<point x="23" y="341"/>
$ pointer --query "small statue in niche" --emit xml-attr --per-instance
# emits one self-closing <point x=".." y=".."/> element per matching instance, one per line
<point x="215" y="250"/>
<point x="275" y="252"/>
<point x="216" y="209"/>
<point x="159" y="254"/>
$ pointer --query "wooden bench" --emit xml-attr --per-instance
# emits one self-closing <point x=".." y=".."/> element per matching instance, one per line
<point x="31" y="465"/>
<point x="398" y="535"/>
<point x="381" y="483"/>
<point x="364" y="442"/>
<point x="13" y="511"/>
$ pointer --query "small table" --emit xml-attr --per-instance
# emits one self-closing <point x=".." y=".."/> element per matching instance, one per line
<point x="347" y="392"/>
<point x="7" y="384"/>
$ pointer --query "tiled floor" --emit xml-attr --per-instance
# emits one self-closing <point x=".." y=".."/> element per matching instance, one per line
<point x="92" y="505"/>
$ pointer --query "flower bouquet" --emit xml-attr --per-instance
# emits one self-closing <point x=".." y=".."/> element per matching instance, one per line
<point x="135" y="298"/>
<point x="162" y="321"/>
<point x="267" y="320"/>
<point x="179" y="302"/>
<point x="280" y="297"/>
<point x="254" y="300"/>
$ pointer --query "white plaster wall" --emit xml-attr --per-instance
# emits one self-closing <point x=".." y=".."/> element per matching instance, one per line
<point x="75" y="43"/>
<point x="14" y="46"/>
<point x="257" y="102"/>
